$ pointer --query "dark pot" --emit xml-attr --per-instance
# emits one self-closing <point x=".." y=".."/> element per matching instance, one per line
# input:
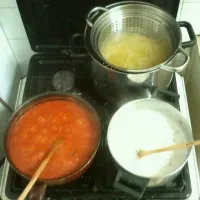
<point x="38" y="191"/>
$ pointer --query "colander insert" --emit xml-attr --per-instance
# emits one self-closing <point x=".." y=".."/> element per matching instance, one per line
<point x="132" y="18"/>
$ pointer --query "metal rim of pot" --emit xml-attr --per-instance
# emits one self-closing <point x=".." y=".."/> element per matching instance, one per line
<point x="29" y="104"/>
<point x="129" y="179"/>
<point x="96" y="15"/>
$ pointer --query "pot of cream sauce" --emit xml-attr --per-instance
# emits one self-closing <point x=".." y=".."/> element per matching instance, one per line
<point x="147" y="124"/>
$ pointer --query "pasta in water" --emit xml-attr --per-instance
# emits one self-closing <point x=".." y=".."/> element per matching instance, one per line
<point x="134" y="51"/>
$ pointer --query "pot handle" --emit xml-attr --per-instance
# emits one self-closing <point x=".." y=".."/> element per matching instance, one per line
<point x="180" y="68"/>
<point x="93" y="13"/>
<point x="37" y="192"/>
<point x="131" y="184"/>
<point x="74" y="46"/>
<point x="191" y="34"/>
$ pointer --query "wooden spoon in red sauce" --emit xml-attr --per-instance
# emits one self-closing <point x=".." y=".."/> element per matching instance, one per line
<point x="54" y="147"/>
<point x="34" y="133"/>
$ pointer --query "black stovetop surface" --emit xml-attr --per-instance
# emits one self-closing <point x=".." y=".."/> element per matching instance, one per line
<point x="96" y="183"/>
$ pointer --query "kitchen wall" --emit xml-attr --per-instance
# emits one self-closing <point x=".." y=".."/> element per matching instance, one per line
<point x="13" y="28"/>
<point x="189" y="10"/>
<point x="10" y="75"/>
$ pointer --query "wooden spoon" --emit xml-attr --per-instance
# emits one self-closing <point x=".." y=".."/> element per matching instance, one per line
<point x="142" y="153"/>
<point x="52" y="150"/>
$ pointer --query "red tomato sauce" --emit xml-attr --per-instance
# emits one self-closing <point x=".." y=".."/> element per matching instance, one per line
<point x="32" y="136"/>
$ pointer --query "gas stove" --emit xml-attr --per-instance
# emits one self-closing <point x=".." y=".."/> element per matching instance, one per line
<point x="50" y="27"/>
<point x="55" y="72"/>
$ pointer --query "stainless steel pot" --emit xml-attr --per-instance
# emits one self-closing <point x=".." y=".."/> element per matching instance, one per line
<point x="115" y="83"/>
<point x="118" y="138"/>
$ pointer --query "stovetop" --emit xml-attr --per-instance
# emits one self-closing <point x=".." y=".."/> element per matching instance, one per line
<point x="47" y="72"/>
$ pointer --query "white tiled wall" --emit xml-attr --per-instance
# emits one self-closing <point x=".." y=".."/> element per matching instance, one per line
<point x="191" y="12"/>
<point x="13" y="28"/>
<point x="10" y="73"/>
<point x="9" y="82"/>
<point x="191" y="1"/>
<point x="8" y="3"/>
<point x="12" y="24"/>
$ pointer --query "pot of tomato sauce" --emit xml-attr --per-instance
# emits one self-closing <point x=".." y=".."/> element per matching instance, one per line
<point x="37" y="123"/>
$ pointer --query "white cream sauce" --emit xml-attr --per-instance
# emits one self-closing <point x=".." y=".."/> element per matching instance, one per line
<point x="145" y="129"/>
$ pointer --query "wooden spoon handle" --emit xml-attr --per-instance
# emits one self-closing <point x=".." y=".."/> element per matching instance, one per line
<point x="143" y="153"/>
<point x="54" y="147"/>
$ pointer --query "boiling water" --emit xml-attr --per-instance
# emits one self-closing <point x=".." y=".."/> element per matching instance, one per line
<point x="146" y="129"/>
<point x="134" y="51"/>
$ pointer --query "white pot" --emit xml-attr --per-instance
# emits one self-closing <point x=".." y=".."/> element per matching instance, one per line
<point x="147" y="124"/>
